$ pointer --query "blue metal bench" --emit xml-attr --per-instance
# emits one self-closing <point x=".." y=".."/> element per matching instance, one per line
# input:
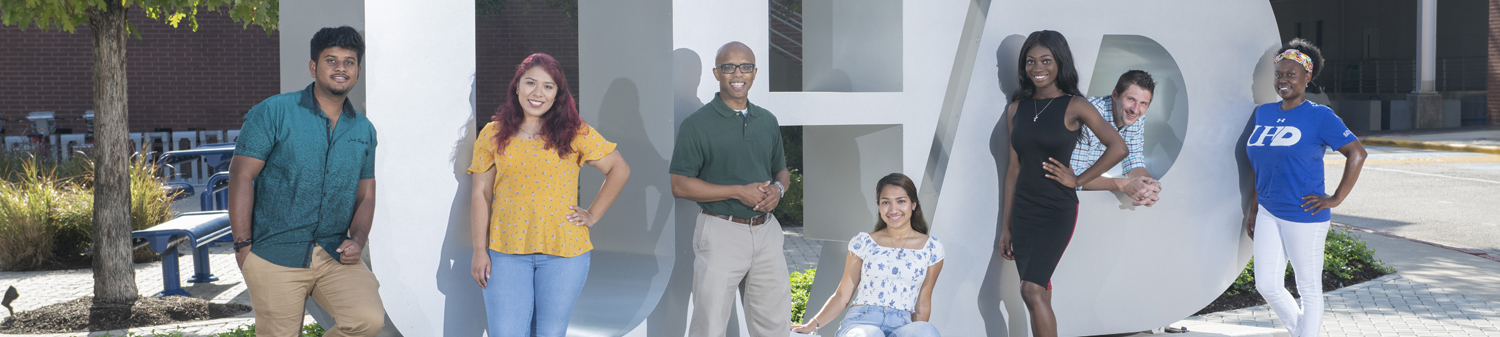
<point x="177" y="190"/>
<point x="216" y="156"/>
<point x="198" y="229"/>
<point x="215" y="193"/>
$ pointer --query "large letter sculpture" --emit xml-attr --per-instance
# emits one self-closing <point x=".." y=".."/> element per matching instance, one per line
<point x="888" y="85"/>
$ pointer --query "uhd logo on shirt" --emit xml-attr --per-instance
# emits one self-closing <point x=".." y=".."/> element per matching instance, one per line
<point x="1280" y="135"/>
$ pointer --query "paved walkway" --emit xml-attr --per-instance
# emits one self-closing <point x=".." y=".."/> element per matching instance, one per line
<point x="40" y="288"/>
<point x="1467" y="135"/>
<point x="1387" y="306"/>
<point x="1483" y="139"/>
<point x="1436" y="292"/>
<point x="801" y="253"/>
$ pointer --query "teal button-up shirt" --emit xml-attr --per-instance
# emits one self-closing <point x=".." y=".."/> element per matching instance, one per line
<point x="306" y="192"/>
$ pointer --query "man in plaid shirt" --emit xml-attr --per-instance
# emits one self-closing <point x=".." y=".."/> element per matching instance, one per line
<point x="1124" y="108"/>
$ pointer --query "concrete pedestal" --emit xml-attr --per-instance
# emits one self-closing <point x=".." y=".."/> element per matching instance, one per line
<point x="1426" y="109"/>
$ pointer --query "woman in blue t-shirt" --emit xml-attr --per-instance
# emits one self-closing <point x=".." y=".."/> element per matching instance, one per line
<point x="1286" y="149"/>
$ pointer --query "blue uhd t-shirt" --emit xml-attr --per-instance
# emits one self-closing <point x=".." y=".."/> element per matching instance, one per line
<point x="1286" y="149"/>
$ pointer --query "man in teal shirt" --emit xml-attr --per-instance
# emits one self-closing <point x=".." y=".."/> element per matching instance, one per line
<point x="302" y="196"/>
<point x="728" y="158"/>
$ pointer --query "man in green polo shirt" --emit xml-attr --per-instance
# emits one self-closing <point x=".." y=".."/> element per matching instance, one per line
<point x="728" y="158"/>
<point x="302" y="195"/>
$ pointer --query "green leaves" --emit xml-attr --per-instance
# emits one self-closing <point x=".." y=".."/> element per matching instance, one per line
<point x="1344" y="255"/>
<point x="801" y="284"/>
<point x="47" y="14"/>
<point x="68" y="15"/>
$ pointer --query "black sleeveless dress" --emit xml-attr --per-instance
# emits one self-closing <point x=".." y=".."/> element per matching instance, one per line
<point x="1045" y="211"/>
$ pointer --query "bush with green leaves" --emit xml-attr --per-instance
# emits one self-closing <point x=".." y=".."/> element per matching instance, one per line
<point x="801" y="284"/>
<point x="1344" y="254"/>
<point x="789" y="211"/>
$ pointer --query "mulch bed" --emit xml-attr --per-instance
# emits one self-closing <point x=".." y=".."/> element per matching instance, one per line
<point x="83" y="315"/>
<point x="1253" y="298"/>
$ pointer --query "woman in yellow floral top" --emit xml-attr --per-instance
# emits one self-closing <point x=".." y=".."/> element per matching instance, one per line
<point x="531" y="239"/>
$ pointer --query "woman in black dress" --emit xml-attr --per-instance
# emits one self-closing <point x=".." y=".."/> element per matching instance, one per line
<point x="1046" y="117"/>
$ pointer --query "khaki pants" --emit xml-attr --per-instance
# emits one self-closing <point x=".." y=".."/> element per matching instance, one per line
<point x="350" y="293"/>
<point x="734" y="256"/>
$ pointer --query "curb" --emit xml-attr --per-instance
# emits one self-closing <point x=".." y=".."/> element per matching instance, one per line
<point x="1479" y="254"/>
<point x="1431" y="145"/>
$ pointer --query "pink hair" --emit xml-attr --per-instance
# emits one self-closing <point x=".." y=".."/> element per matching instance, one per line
<point x="559" y="124"/>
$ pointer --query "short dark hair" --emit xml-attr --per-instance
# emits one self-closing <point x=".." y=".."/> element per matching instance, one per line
<point x="1310" y="50"/>
<point x="343" y="37"/>
<point x="1137" y="77"/>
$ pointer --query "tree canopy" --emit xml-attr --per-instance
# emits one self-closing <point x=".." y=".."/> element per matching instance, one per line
<point x="67" y="15"/>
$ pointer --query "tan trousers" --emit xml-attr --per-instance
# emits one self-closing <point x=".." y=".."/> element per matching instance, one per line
<point x="350" y="293"/>
<point x="734" y="256"/>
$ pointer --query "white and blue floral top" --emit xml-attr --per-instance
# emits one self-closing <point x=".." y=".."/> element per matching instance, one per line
<point x="892" y="277"/>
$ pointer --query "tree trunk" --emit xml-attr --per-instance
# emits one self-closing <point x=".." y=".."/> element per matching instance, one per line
<point x="114" y="273"/>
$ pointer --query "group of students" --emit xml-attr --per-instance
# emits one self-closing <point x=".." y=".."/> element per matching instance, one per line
<point x="302" y="197"/>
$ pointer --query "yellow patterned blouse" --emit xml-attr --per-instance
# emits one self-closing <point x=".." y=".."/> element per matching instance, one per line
<point x="533" y="189"/>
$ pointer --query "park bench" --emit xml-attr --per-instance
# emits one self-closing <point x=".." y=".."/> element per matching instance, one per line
<point x="178" y="190"/>
<point x="215" y="195"/>
<point x="199" y="230"/>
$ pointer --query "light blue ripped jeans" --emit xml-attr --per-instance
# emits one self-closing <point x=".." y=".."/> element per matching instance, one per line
<point x="880" y="321"/>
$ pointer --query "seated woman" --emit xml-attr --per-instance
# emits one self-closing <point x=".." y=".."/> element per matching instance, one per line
<point x="894" y="267"/>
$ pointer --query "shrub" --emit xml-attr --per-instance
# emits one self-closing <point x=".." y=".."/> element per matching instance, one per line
<point x="27" y="226"/>
<point x="789" y="211"/>
<point x="150" y="205"/>
<point x="46" y="219"/>
<point x="1344" y="256"/>
<point x="801" y="284"/>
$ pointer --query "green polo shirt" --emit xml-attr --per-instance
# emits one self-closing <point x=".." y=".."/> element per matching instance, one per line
<point x="722" y="147"/>
<point x="306" y="192"/>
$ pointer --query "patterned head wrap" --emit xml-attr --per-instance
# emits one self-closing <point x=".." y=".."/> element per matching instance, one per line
<point x="1298" y="56"/>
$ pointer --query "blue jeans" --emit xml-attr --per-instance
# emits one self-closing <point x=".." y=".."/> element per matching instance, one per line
<point x="880" y="321"/>
<point x="533" y="294"/>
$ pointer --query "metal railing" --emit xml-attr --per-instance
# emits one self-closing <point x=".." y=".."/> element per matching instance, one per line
<point x="1461" y="74"/>
<point x="786" y="31"/>
<point x="1399" y="75"/>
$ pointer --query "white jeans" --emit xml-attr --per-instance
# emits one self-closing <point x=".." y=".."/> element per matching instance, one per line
<point x="1276" y="242"/>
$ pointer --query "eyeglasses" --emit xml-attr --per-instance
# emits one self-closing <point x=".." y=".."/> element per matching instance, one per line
<point x="728" y="68"/>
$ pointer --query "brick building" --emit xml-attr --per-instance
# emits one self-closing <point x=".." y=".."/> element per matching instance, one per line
<point x="503" y="39"/>
<point x="1372" y="50"/>
<point x="187" y="80"/>
<point x="206" y="80"/>
<point x="178" y="78"/>
<point x="1493" y="78"/>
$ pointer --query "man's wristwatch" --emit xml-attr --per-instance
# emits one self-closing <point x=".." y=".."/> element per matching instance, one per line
<point x="783" y="188"/>
<point x="239" y="244"/>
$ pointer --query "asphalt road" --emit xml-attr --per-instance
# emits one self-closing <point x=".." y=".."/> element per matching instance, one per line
<point x="1450" y="198"/>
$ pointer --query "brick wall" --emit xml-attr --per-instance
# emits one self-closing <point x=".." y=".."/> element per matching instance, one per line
<point x="178" y="78"/>
<point x="1493" y="84"/>
<point x="182" y="79"/>
<point x="503" y="39"/>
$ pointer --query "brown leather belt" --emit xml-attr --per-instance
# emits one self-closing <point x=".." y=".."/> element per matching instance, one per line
<point x="756" y="221"/>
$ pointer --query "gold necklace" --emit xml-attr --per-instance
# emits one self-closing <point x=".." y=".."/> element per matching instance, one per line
<point x="529" y="135"/>
<point x="901" y="243"/>
<point x="1044" y="108"/>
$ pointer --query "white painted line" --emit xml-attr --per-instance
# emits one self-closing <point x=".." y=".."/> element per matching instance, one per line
<point x="1434" y="175"/>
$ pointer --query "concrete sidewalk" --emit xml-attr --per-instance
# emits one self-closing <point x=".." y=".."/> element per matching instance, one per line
<point x="1472" y="139"/>
<point x="1435" y="292"/>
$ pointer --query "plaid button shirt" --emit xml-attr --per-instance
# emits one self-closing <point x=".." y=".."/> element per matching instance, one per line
<point x="1089" y="149"/>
